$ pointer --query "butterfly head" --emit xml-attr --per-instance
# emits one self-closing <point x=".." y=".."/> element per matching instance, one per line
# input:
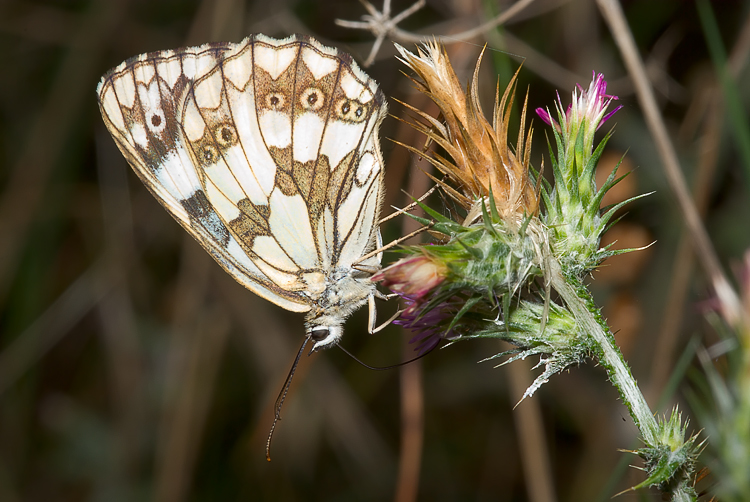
<point x="324" y="337"/>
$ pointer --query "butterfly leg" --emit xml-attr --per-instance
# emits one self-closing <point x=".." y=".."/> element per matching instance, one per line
<point x="409" y="207"/>
<point x="383" y="296"/>
<point x="371" y="328"/>
<point x="390" y="245"/>
<point x="373" y="314"/>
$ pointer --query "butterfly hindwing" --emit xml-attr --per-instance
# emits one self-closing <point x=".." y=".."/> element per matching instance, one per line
<point x="265" y="151"/>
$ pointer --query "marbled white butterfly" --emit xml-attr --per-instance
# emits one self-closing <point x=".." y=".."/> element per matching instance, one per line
<point x="267" y="153"/>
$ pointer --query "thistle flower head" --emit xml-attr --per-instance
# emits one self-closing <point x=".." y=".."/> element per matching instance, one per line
<point x="573" y="206"/>
<point x="587" y="108"/>
<point x="480" y="160"/>
<point x="416" y="280"/>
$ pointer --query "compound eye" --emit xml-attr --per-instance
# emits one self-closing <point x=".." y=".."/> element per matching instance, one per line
<point x="319" y="334"/>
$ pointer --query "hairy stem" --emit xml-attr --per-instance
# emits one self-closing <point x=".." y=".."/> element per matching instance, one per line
<point x="579" y="301"/>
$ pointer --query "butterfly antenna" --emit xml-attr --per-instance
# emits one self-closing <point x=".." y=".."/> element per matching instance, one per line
<point x="282" y="396"/>
<point x="381" y="368"/>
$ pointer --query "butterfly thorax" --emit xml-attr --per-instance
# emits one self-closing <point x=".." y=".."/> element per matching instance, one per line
<point x="346" y="289"/>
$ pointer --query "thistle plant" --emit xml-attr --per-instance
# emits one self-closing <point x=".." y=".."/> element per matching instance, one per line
<point x="722" y="403"/>
<point x="513" y="267"/>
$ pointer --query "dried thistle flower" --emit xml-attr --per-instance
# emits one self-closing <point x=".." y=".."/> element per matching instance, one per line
<point x="482" y="163"/>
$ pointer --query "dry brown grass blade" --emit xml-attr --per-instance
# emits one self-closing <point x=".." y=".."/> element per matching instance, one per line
<point x="412" y="432"/>
<point x="411" y="390"/>
<point x="188" y="327"/>
<point x="615" y="18"/>
<point x="707" y="164"/>
<point x="197" y="366"/>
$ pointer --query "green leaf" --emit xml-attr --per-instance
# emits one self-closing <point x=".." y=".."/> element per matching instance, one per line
<point x="486" y="219"/>
<point x="493" y="207"/>
<point x="475" y="253"/>
<point x="435" y="215"/>
<point x="466" y="307"/>
<point x="606" y="216"/>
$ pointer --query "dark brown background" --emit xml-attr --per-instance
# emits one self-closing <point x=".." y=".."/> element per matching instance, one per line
<point x="132" y="368"/>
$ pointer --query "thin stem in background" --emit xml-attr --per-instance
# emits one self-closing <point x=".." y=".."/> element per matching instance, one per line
<point x="411" y="388"/>
<point x="121" y="342"/>
<point x="502" y="18"/>
<point x="673" y="317"/>
<point x="707" y="163"/>
<point x="612" y="12"/>
<point x="527" y="416"/>
<point x="176" y="437"/>
<point x="382" y="25"/>
<point x="412" y="430"/>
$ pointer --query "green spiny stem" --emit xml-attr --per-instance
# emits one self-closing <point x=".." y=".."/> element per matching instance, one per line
<point x="579" y="301"/>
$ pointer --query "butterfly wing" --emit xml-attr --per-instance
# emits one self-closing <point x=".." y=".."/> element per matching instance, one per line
<point x="265" y="151"/>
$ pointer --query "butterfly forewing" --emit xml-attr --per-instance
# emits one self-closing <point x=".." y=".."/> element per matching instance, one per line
<point x="266" y="151"/>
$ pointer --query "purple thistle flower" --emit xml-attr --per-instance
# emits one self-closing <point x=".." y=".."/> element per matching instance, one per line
<point x="429" y="326"/>
<point x="547" y="118"/>
<point x="588" y="105"/>
<point x="595" y="101"/>
<point x="414" y="279"/>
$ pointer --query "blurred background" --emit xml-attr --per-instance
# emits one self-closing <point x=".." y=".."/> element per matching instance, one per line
<point x="133" y="368"/>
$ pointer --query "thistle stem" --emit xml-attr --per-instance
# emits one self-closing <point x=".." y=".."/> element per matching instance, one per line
<point x="580" y="303"/>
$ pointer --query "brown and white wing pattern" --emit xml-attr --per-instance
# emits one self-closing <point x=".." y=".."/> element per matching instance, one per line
<point x="265" y="151"/>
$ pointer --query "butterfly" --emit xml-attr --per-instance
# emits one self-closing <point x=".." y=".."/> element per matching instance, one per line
<point x="267" y="152"/>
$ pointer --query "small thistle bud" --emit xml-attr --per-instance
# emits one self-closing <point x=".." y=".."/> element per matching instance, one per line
<point x="561" y="343"/>
<point x="670" y="463"/>
<point x="416" y="280"/>
<point x="493" y="274"/>
<point x="413" y="277"/>
<point x="497" y="249"/>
